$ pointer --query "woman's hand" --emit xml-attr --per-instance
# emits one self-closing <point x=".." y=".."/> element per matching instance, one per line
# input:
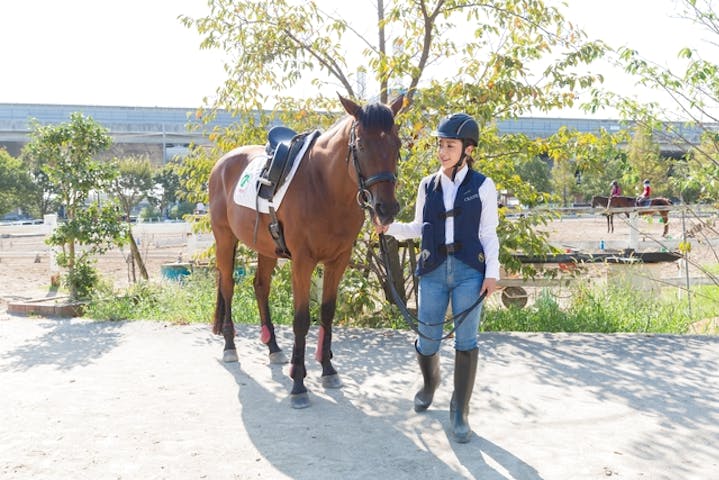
<point x="489" y="285"/>
<point x="380" y="228"/>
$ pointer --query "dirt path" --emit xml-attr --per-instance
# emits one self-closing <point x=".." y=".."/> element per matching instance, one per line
<point x="142" y="400"/>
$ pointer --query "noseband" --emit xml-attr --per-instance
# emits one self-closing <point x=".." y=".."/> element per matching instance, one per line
<point x="364" y="196"/>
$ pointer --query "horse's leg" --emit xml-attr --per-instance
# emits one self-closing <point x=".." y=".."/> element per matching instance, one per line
<point x="332" y="275"/>
<point x="262" y="281"/>
<point x="301" y="278"/>
<point x="225" y="247"/>
<point x="665" y="218"/>
<point x="611" y="221"/>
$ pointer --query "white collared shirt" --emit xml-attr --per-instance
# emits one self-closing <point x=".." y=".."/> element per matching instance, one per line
<point x="488" y="221"/>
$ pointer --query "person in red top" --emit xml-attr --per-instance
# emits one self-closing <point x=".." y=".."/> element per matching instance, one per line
<point x="616" y="190"/>
<point x="644" y="197"/>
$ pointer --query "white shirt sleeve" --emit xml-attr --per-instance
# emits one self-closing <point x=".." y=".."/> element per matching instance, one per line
<point x="404" y="231"/>
<point x="488" y="223"/>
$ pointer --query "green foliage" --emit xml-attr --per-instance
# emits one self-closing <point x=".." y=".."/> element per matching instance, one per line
<point x="536" y="172"/>
<point x="591" y="309"/>
<point x="65" y="155"/>
<point x="701" y="170"/>
<point x="645" y="162"/>
<point x="82" y="278"/>
<point x="94" y="230"/>
<point x="133" y="183"/>
<point x="691" y="97"/>
<point x="596" y="310"/>
<point x="15" y="183"/>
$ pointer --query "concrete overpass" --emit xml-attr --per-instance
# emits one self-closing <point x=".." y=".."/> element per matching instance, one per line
<point x="162" y="133"/>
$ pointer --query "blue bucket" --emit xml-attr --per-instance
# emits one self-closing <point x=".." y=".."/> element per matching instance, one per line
<point x="175" y="271"/>
<point x="239" y="274"/>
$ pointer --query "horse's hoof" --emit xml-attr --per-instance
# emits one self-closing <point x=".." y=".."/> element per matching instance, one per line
<point x="300" y="400"/>
<point x="278" y="358"/>
<point x="331" y="381"/>
<point x="229" y="356"/>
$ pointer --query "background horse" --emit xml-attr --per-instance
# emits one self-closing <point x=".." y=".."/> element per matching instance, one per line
<point x="351" y="166"/>
<point x="631" y="202"/>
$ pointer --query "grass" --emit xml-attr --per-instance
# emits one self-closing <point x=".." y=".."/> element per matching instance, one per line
<point x="603" y="310"/>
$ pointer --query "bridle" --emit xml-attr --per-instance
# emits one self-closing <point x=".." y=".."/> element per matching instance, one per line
<point x="364" y="199"/>
<point x="364" y="196"/>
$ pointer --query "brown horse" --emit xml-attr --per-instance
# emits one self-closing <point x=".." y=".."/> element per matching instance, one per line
<point x="350" y="167"/>
<point x="631" y="202"/>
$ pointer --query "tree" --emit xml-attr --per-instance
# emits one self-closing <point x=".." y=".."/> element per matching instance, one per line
<point x="535" y="171"/>
<point x="691" y="94"/>
<point x="15" y="183"/>
<point x="493" y="60"/>
<point x="133" y="184"/>
<point x="167" y="184"/>
<point x="645" y="162"/>
<point x="65" y="153"/>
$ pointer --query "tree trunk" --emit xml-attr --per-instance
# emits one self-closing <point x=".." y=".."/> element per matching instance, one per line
<point x="136" y="257"/>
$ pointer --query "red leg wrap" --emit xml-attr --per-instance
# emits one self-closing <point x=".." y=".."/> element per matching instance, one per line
<point x="320" y="344"/>
<point x="265" y="335"/>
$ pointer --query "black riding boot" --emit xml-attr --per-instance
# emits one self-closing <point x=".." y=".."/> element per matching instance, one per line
<point x="429" y="365"/>
<point x="465" y="370"/>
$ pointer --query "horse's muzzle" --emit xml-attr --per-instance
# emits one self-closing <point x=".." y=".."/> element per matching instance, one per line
<point x="386" y="211"/>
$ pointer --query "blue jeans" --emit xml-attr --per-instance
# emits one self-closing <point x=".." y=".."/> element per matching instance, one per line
<point x="460" y="282"/>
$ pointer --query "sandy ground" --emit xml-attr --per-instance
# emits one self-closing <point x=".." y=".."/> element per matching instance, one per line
<point x="143" y="400"/>
<point x="146" y="400"/>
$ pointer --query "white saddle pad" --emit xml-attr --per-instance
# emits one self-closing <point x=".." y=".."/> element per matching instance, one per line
<point x="245" y="193"/>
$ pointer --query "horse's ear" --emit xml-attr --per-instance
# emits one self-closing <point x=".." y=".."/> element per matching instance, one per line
<point x="397" y="104"/>
<point x="350" y="107"/>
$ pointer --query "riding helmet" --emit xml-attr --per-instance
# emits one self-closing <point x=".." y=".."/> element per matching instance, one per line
<point x="460" y="126"/>
<point x="646" y="181"/>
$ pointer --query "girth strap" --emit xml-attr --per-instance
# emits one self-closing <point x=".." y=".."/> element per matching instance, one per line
<point x="278" y="235"/>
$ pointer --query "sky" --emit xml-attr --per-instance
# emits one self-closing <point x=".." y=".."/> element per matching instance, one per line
<point x="137" y="53"/>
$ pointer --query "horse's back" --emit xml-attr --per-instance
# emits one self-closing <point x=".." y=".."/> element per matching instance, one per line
<point x="227" y="171"/>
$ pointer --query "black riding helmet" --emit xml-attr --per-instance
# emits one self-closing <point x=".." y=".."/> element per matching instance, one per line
<point x="459" y="126"/>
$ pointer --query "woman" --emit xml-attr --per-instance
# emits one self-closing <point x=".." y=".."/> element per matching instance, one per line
<point x="615" y="191"/>
<point x="456" y="217"/>
<point x="646" y="192"/>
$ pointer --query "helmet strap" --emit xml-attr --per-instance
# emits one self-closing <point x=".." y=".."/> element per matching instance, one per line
<point x="460" y="161"/>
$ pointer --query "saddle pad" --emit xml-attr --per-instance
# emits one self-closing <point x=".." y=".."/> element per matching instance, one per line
<point x="245" y="193"/>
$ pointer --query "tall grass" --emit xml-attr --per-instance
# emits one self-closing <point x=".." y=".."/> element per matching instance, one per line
<point x="590" y="309"/>
<point x="601" y="310"/>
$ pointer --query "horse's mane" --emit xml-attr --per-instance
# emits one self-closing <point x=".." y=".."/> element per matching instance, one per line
<point x="376" y="116"/>
<point x="373" y="116"/>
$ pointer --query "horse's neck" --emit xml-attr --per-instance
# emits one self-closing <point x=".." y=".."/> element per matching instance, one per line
<point x="328" y="166"/>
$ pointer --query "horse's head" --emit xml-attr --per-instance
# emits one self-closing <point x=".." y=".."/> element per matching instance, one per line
<point x="597" y="202"/>
<point x="374" y="150"/>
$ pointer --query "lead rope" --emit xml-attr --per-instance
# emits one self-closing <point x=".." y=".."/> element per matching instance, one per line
<point x="364" y="199"/>
<point x="412" y="321"/>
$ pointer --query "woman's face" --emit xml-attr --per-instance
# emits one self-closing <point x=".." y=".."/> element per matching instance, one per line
<point x="450" y="151"/>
